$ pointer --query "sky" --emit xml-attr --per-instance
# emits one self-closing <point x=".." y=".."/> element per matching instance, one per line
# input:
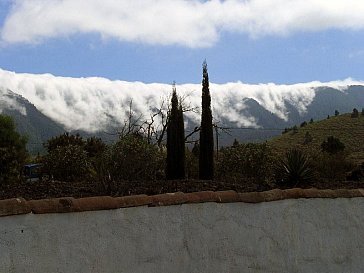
<point x="161" y="41"/>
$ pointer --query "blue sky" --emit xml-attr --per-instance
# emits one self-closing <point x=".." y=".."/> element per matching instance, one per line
<point x="248" y="41"/>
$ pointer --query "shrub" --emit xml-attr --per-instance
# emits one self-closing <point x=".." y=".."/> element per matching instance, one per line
<point x="355" y="113"/>
<point x="67" y="163"/>
<point x="332" y="167"/>
<point x="132" y="158"/>
<point x="332" y="145"/>
<point x="192" y="163"/>
<point x="294" y="169"/>
<point x="94" y="147"/>
<point x="70" y="157"/>
<point x="63" y="140"/>
<point x="245" y="162"/>
<point x="12" y="150"/>
<point x="308" y="138"/>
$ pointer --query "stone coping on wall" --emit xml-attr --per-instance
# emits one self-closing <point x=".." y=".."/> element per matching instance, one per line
<point x="18" y="206"/>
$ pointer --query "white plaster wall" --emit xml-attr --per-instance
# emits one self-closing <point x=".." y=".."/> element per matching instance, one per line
<point x="304" y="235"/>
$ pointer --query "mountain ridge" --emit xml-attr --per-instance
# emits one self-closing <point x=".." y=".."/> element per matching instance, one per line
<point x="45" y="105"/>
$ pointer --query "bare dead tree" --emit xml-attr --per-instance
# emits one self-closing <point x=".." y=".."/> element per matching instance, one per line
<point x="131" y="124"/>
<point x="153" y="128"/>
<point x="156" y="131"/>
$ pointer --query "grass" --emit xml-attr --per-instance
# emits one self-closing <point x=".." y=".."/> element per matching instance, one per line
<point x="349" y="130"/>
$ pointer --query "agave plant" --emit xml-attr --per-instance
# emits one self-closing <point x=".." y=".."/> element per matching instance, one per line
<point x="294" y="169"/>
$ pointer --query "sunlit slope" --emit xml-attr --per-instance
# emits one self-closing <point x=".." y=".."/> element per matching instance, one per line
<point x="349" y="130"/>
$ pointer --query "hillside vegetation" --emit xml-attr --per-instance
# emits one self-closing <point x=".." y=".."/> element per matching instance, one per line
<point x="309" y="137"/>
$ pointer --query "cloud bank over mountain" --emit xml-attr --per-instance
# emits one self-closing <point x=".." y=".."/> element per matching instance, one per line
<point x="193" y="23"/>
<point x="8" y="101"/>
<point x="92" y="104"/>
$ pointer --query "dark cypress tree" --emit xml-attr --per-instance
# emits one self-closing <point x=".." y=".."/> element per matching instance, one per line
<point x="175" y="168"/>
<point x="206" y="161"/>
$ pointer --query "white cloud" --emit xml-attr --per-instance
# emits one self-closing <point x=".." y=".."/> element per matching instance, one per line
<point x="91" y="103"/>
<point x="190" y="23"/>
<point x="9" y="101"/>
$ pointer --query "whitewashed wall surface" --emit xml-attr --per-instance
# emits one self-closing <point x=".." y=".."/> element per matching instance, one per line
<point x="291" y="235"/>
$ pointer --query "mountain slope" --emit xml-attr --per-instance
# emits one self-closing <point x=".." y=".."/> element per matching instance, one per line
<point x="324" y="103"/>
<point x="29" y="121"/>
<point x="349" y="130"/>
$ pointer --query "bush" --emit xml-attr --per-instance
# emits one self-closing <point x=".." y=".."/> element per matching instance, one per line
<point x="308" y="138"/>
<point x="13" y="152"/>
<point x="132" y="158"/>
<point x="332" y="167"/>
<point x="355" y="113"/>
<point x="245" y="162"/>
<point x="64" y="140"/>
<point x="294" y="169"/>
<point x="68" y="163"/>
<point x="192" y="164"/>
<point x="332" y="145"/>
<point x="70" y="157"/>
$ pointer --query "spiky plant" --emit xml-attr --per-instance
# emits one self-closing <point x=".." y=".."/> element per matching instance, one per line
<point x="294" y="169"/>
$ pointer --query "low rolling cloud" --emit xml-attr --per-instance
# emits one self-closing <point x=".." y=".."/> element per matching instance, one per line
<point x="8" y="101"/>
<point x="91" y="104"/>
<point x="191" y="23"/>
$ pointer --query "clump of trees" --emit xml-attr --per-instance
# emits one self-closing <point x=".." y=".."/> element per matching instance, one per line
<point x="70" y="157"/>
<point x="13" y="151"/>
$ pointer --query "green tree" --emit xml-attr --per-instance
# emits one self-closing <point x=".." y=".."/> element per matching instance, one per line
<point x="13" y="151"/>
<point x="206" y="159"/>
<point x="175" y="167"/>
<point x="332" y="145"/>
